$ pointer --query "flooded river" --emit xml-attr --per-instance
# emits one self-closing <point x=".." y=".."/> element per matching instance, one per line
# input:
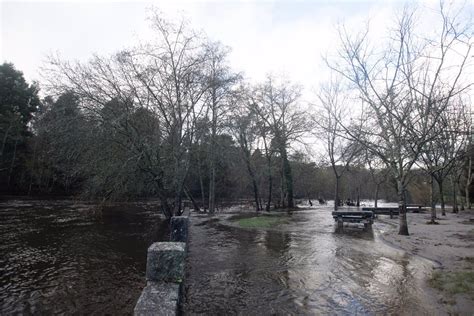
<point x="61" y="257"/>
<point x="304" y="267"/>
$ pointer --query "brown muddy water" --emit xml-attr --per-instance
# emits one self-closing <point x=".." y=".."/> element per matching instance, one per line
<point x="304" y="267"/>
<point x="62" y="257"/>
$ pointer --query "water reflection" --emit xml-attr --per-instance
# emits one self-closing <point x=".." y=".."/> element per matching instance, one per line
<point x="355" y="232"/>
<point x="65" y="257"/>
<point x="306" y="267"/>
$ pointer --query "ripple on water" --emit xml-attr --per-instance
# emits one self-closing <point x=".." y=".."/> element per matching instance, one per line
<point x="304" y="267"/>
<point x="62" y="257"/>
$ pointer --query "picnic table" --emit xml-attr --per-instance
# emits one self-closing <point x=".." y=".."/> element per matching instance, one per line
<point x="353" y="216"/>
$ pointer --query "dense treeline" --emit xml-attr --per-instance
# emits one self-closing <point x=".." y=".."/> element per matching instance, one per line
<point x="64" y="150"/>
<point x="171" y="119"/>
<point x="18" y="102"/>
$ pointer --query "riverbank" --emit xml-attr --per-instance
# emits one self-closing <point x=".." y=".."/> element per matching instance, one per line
<point x="450" y="244"/>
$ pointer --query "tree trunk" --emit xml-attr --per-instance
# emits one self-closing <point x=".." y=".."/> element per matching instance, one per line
<point x="288" y="178"/>
<point x="193" y="201"/>
<point x="441" y="197"/>
<point x="212" y="190"/>
<point x="402" y="209"/>
<point x="5" y="137"/>
<point x="255" y="193"/>
<point x="455" y="197"/>
<point x="203" y="195"/>
<point x="178" y="210"/>
<point x="282" y="189"/>
<point x="33" y="167"/>
<point x="13" y="162"/>
<point x="433" y="202"/>
<point x="269" y="171"/>
<point x="468" y="184"/>
<point x="212" y="158"/>
<point x="254" y="182"/>
<point x="358" y="197"/>
<point x="166" y="208"/>
<point x="246" y="152"/>
<point x="377" y="186"/>
<point x="201" y="182"/>
<point x="336" y="194"/>
<point x="467" y="200"/>
<point x="270" y="187"/>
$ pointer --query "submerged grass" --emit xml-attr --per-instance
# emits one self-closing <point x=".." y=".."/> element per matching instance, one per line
<point x="261" y="222"/>
<point x="461" y="282"/>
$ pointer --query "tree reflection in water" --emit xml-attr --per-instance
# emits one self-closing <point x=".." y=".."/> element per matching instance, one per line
<point x="307" y="266"/>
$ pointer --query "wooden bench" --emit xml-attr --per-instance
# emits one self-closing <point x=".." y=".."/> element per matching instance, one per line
<point x="393" y="210"/>
<point x="364" y="217"/>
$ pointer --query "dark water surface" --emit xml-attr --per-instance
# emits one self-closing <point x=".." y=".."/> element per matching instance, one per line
<point x="62" y="257"/>
<point x="305" y="267"/>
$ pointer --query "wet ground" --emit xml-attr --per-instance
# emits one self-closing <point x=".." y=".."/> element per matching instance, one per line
<point x="62" y="257"/>
<point x="303" y="267"/>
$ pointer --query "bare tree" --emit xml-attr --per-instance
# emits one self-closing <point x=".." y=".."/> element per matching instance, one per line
<point x="166" y="77"/>
<point x="276" y="103"/>
<point x="340" y="150"/>
<point x="468" y="174"/>
<point x="444" y="149"/>
<point x="405" y="85"/>
<point x="456" y="176"/>
<point x="269" y="151"/>
<point x="378" y="173"/>
<point x="243" y="125"/>
<point x="222" y="82"/>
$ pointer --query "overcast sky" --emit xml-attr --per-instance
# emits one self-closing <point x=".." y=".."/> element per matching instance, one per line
<point x="265" y="36"/>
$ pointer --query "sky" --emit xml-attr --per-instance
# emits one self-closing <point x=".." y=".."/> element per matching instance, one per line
<point x="282" y="37"/>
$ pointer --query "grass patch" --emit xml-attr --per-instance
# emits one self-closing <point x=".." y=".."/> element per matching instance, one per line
<point x="261" y="222"/>
<point x="454" y="282"/>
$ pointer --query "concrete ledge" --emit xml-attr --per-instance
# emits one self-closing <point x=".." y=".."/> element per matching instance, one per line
<point x="158" y="299"/>
<point x="165" y="262"/>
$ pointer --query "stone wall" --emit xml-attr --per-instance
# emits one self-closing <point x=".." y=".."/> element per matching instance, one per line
<point x="165" y="272"/>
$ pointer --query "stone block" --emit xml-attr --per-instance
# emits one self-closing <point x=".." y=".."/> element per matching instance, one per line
<point x="165" y="262"/>
<point x="158" y="299"/>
